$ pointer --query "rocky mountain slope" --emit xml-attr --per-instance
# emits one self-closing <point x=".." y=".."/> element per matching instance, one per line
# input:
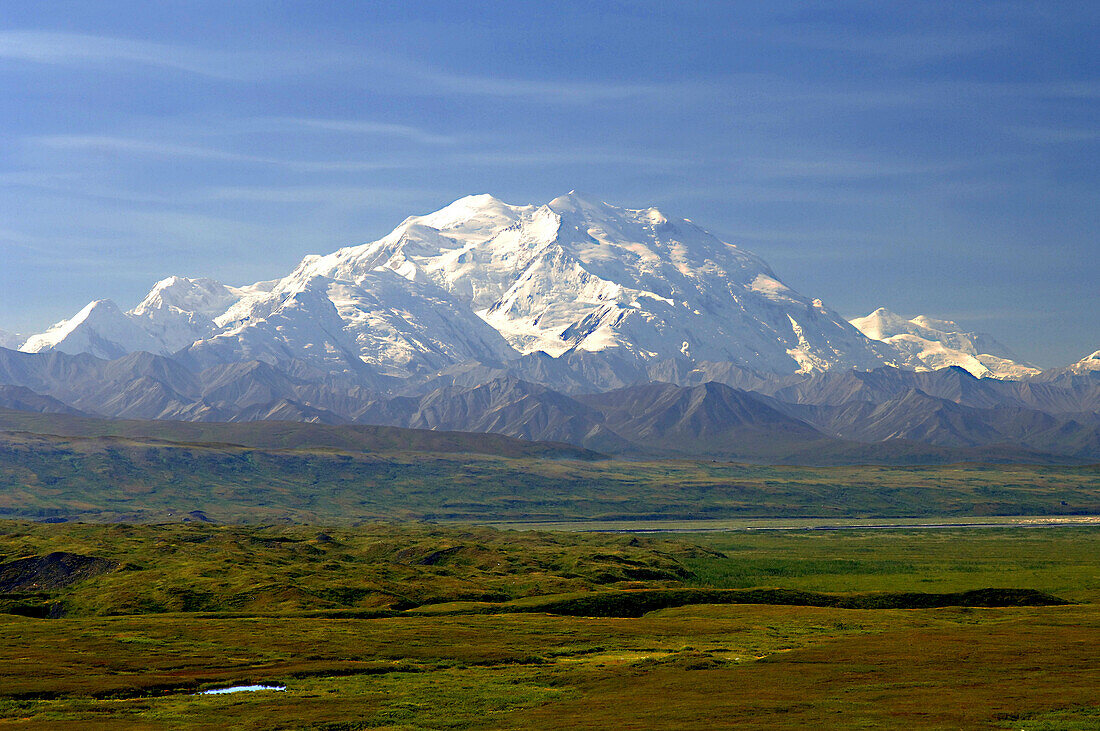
<point x="886" y="415"/>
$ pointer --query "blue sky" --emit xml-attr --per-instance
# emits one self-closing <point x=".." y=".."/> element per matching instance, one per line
<point x="934" y="158"/>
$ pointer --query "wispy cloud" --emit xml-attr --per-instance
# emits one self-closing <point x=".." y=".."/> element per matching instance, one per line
<point x="1057" y="135"/>
<point x="410" y="76"/>
<point x="576" y="156"/>
<point x="535" y="90"/>
<point x="415" y="76"/>
<point x="311" y="195"/>
<point x="79" y="49"/>
<point x="365" y="127"/>
<point x="129" y="146"/>
<point x="400" y="76"/>
<point x="122" y="145"/>
<point x="841" y="168"/>
<point x="780" y="97"/>
<point x="125" y="146"/>
<point x="1054" y="89"/>
<point x="905" y="48"/>
<point x="81" y="186"/>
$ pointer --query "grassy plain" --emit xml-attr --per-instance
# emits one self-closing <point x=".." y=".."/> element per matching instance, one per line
<point x="127" y="652"/>
<point x="118" y="479"/>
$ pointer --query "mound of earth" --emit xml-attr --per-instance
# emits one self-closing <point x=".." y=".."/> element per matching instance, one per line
<point x="53" y="571"/>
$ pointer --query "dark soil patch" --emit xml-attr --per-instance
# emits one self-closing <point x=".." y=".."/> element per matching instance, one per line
<point x="56" y="570"/>
<point x="635" y="603"/>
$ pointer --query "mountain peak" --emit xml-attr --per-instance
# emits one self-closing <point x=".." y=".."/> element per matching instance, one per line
<point x="577" y="202"/>
<point x="201" y="295"/>
<point x="1088" y="364"/>
<point x="880" y="324"/>
<point x="934" y="324"/>
<point x="476" y="202"/>
<point x="937" y="344"/>
<point x="580" y="202"/>
<point x="100" y="328"/>
<point x="486" y="280"/>
<point x="480" y="207"/>
<point x="94" y="309"/>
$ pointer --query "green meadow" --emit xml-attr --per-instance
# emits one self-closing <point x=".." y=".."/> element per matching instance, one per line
<point x="112" y="479"/>
<point x="362" y="575"/>
<point x="452" y="627"/>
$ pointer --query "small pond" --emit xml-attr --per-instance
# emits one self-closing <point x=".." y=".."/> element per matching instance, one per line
<point x="242" y="688"/>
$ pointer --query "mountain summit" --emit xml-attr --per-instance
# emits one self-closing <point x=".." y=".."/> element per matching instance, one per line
<point x="942" y="343"/>
<point x="482" y="280"/>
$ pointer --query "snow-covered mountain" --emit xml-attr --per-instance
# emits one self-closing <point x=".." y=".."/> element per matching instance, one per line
<point x="175" y="313"/>
<point x="482" y="280"/>
<point x="580" y="275"/>
<point x="942" y="343"/>
<point x="101" y="329"/>
<point x="180" y="311"/>
<point x="1088" y="364"/>
<point x="393" y="325"/>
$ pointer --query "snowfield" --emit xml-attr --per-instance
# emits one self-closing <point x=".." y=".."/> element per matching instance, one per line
<point x="482" y="280"/>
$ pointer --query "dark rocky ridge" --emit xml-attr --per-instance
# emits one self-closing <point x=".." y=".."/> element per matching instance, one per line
<point x="668" y="408"/>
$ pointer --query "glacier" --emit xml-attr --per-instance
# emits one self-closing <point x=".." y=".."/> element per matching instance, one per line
<point x="942" y="343"/>
<point x="484" y="281"/>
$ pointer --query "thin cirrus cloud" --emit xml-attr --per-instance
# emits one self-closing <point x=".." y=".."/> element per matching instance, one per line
<point x="76" y="49"/>
<point x="543" y="91"/>
<point x="126" y="146"/>
<point x="1056" y="135"/>
<point x="123" y="147"/>
<point x="320" y="195"/>
<point x="361" y="127"/>
<point x="402" y="76"/>
<point x="408" y="76"/>
<point x="573" y="157"/>
<point x="412" y="77"/>
<point x="900" y="48"/>
<point x="838" y="168"/>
